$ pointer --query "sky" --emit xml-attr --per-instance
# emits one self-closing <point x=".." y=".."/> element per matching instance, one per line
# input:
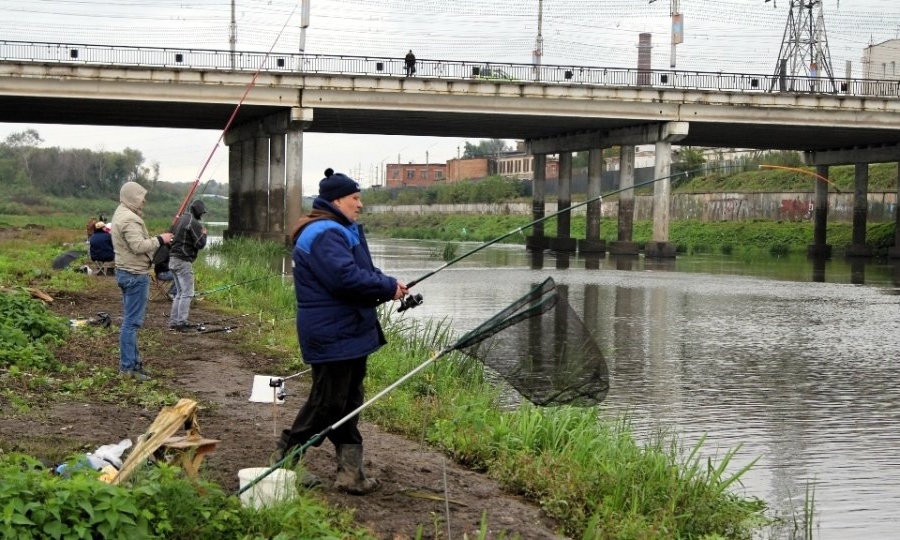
<point x="743" y="36"/>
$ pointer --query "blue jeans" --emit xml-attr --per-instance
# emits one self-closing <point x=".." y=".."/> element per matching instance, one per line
<point x="135" y="293"/>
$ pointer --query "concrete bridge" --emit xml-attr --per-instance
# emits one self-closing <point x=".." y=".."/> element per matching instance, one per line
<point x="556" y="109"/>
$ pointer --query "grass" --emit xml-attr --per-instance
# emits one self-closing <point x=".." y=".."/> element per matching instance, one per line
<point x="593" y="476"/>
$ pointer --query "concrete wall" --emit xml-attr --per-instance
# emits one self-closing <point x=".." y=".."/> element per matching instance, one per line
<point x="703" y="207"/>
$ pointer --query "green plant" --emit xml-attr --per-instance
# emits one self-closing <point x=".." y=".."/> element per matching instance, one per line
<point x="27" y="332"/>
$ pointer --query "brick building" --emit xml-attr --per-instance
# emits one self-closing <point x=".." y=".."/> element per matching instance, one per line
<point x="468" y="169"/>
<point x="399" y="175"/>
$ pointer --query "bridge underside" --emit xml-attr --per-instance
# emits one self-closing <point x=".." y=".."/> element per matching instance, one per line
<point x="725" y="133"/>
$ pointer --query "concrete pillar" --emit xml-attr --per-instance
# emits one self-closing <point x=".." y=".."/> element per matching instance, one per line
<point x="235" y="165"/>
<point x="624" y="244"/>
<point x="858" y="247"/>
<point x="300" y="119"/>
<point x="293" y="179"/>
<point x="894" y="252"/>
<point x="820" y="246"/>
<point x="660" y="247"/>
<point x="592" y="243"/>
<point x="538" y="194"/>
<point x="243" y="218"/>
<point x="275" y="223"/>
<point x="563" y="241"/>
<point x="259" y="214"/>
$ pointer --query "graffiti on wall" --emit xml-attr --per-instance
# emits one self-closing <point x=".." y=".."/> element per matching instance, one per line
<point x="728" y="209"/>
<point x="796" y="209"/>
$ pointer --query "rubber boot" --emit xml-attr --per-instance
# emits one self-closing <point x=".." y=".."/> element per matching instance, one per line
<point x="350" y="477"/>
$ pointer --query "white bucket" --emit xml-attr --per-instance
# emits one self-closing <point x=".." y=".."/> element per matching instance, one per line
<point x="279" y="485"/>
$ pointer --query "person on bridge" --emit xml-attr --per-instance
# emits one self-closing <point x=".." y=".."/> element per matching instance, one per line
<point x="337" y="288"/>
<point x="410" y="63"/>
<point x="134" y="249"/>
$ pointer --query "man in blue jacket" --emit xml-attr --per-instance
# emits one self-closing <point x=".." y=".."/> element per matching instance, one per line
<point x="337" y="287"/>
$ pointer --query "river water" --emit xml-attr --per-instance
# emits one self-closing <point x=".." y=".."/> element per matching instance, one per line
<point x="793" y="363"/>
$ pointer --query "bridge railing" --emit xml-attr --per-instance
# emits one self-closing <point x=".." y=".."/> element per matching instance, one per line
<point x="482" y="72"/>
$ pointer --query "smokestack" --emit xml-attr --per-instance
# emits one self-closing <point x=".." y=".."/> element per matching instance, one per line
<point x="644" y="49"/>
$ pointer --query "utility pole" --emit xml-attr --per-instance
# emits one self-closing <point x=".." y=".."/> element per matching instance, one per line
<point x="304" y="24"/>
<point x="538" y="52"/>
<point x="677" y="27"/>
<point x="232" y="34"/>
<point x="804" y="47"/>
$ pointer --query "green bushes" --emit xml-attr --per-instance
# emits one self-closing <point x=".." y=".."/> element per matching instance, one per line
<point x="28" y="331"/>
<point x="160" y="503"/>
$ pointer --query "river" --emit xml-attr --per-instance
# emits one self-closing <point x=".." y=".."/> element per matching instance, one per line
<point x="794" y="363"/>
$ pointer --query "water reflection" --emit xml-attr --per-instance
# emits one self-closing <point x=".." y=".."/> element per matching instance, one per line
<point x="794" y="359"/>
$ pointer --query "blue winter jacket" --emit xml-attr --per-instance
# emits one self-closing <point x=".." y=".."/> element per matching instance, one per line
<point x="337" y="288"/>
<point x="101" y="247"/>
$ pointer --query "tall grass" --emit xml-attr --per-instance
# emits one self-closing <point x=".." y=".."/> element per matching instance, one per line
<point x="593" y="476"/>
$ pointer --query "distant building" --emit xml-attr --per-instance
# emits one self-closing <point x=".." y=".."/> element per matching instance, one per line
<point x="882" y="61"/>
<point x="520" y="165"/>
<point x="399" y="175"/>
<point x="459" y="170"/>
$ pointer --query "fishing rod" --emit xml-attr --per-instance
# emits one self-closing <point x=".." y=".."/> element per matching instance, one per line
<point x="299" y="450"/>
<point x="416" y="300"/>
<point x="803" y="171"/>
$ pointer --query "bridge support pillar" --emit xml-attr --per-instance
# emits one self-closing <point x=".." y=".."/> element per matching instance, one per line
<point x="563" y="241"/>
<point x="537" y="240"/>
<point x="264" y="162"/>
<point x="624" y="244"/>
<point x="858" y="247"/>
<point x="592" y="244"/>
<point x="894" y="252"/>
<point x="660" y="247"/>
<point x="819" y="247"/>
<point x="259" y="171"/>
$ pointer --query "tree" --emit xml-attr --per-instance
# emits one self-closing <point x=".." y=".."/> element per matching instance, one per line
<point x="486" y="147"/>
<point x="24" y="144"/>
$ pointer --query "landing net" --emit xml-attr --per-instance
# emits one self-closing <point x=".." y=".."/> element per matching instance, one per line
<point x="541" y="347"/>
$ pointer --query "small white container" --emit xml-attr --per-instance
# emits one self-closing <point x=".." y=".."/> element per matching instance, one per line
<point x="279" y="485"/>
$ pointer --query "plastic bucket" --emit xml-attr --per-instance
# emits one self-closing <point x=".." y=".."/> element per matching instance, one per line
<point x="279" y="485"/>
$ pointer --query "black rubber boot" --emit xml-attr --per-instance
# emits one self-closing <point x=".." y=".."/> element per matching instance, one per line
<point x="350" y="477"/>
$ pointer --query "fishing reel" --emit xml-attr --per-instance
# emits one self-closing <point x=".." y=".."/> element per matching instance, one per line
<point x="410" y="302"/>
<point x="278" y="387"/>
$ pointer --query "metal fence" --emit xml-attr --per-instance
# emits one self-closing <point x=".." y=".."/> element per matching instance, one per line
<point x="482" y="72"/>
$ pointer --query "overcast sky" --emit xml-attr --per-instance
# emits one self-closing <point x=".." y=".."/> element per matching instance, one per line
<point x="719" y="35"/>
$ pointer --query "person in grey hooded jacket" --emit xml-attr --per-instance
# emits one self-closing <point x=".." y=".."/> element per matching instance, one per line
<point x="190" y="238"/>
<point x="134" y="249"/>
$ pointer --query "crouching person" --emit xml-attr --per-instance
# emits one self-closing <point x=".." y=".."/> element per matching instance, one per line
<point x="337" y="288"/>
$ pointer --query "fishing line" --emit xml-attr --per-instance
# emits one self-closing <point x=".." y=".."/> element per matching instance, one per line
<point x="553" y="215"/>
<point x="234" y="113"/>
<point x="231" y="286"/>
<point x="804" y="171"/>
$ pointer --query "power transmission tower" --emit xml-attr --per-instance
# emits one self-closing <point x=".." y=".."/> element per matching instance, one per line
<point x="804" y="54"/>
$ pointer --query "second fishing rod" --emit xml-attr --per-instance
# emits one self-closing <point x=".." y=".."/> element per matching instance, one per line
<point x="413" y="300"/>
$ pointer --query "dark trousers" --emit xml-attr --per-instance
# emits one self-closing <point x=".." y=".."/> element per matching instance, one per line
<point x="337" y="389"/>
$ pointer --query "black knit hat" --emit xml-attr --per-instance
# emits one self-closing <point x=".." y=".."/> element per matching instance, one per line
<point x="336" y="185"/>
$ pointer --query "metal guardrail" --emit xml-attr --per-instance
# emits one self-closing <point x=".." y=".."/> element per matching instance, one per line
<point x="218" y="60"/>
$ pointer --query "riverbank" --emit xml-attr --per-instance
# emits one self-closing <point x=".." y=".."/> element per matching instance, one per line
<point x="576" y="485"/>
<point x="727" y="237"/>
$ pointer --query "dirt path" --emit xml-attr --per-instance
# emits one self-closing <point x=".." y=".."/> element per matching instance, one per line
<point x="217" y="369"/>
